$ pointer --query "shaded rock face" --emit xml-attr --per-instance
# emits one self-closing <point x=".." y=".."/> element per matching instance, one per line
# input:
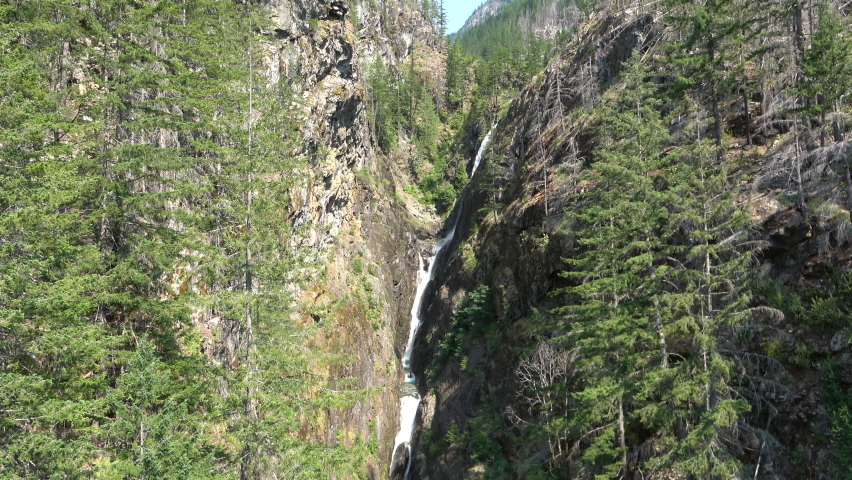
<point x="785" y="229"/>
<point x="400" y="462"/>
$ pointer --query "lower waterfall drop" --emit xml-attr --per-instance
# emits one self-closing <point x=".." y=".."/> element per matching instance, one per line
<point x="410" y="399"/>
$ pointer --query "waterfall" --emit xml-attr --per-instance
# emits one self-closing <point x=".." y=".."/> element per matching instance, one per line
<point x="485" y="142"/>
<point x="410" y="402"/>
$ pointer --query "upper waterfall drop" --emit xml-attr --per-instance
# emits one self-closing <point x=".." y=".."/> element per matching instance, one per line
<point x="482" y="147"/>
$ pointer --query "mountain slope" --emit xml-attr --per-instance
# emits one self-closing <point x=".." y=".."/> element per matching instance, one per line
<point x="537" y="313"/>
<point x="503" y="25"/>
<point x="487" y="9"/>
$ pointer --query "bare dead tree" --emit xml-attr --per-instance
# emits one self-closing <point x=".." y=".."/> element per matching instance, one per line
<point x="537" y="376"/>
<point x="546" y="367"/>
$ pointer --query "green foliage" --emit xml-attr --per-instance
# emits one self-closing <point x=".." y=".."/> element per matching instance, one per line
<point x="469" y="261"/>
<point x="146" y="172"/>
<point x="636" y="285"/>
<point x="475" y="318"/>
<point x="840" y="414"/>
<point x="458" y="85"/>
<point x="402" y="105"/>
<point x="827" y="64"/>
<point x="502" y="34"/>
<point x="357" y="265"/>
<point x="435" y="13"/>
<point x="454" y="434"/>
<point x="156" y="425"/>
<point x="384" y="104"/>
<point x="826" y="309"/>
<point x="715" y="41"/>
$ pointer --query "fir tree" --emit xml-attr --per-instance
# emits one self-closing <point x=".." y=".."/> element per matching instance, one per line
<point x="384" y="105"/>
<point x="708" y="53"/>
<point x="457" y="88"/>
<point x="614" y="323"/>
<point x="154" y="427"/>
<point x="141" y="169"/>
<point x="827" y="68"/>
<point x="693" y="402"/>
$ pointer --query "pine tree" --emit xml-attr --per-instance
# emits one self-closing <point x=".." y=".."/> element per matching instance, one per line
<point x="384" y="104"/>
<point x="693" y="403"/>
<point x="666" y="254"/>
<point x="154" y="427"/>
<point x="827" y="68"/>
<point x="130" y="153"/>
<point x="613" y="322"/>
<point x="442" y="19"/>
<point x="708" y="54"/>
<point x="457" y="89"/>
<point x="50" y="264"/>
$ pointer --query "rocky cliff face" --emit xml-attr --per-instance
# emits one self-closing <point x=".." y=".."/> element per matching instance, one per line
<point x="517" y="253"/>
<point x="487" y="9"/>
<point x="545" y="20"/>
<point x="363" y="233"/>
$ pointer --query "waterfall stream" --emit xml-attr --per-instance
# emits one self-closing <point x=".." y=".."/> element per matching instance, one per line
<point x="410" y="399"/>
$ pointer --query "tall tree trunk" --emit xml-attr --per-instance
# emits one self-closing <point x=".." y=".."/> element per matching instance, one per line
<point x="621" y="436"/>
<point x="798" y="33"/>
<point x="714" y="100"/>
<point x="717" y="120"/>
<point x="658" y="324"/>
<point x="559" y="97"/>
<point x="64" y="65"/>
<point x="250" y="404"/>
<point x="848" y="184"/>
<point x="747" y="117"/>
<point x="142" y="448"/>
<point x="801" y="188"/>
<point x="711" y="386"/>
<point x="544" y="168"/>
<point x="835" y="125"/>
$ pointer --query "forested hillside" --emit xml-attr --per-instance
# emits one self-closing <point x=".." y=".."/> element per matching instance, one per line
<point x="139" y="144"/>
<point x="652" y="279"/>
<point x="519" y="24"/>
<point x="180" y="291"/>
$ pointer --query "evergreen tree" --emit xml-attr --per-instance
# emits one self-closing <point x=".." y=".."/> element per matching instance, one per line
<point x="111" y="182"/>
<point x="154" y="428"/>
<point x="254" y="265"/>
<point x="708" y="53"/>
<point x="457" y="88"/>
<point x="48" y="390"/>
<point x="640" y="283"/>
<point x="827" y="67"/>
<point x="694" y="402"/>
<point x="442" y="18"/>
<point x="384" y="104"/>
<point x="614" y="322"/>
<point x="142" y="170"/>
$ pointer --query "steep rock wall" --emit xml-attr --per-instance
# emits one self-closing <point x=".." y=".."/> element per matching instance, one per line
<point x="353" y="204"/>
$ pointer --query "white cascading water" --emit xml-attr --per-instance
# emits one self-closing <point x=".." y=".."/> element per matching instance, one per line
<point x="485" y="142"/>
<point x="409" y="404"/>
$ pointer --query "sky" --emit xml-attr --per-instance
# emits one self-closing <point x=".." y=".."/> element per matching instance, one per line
<point x="458" y="11"/>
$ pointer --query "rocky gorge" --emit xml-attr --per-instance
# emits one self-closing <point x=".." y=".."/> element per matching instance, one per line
<point x="413" y="296"/>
